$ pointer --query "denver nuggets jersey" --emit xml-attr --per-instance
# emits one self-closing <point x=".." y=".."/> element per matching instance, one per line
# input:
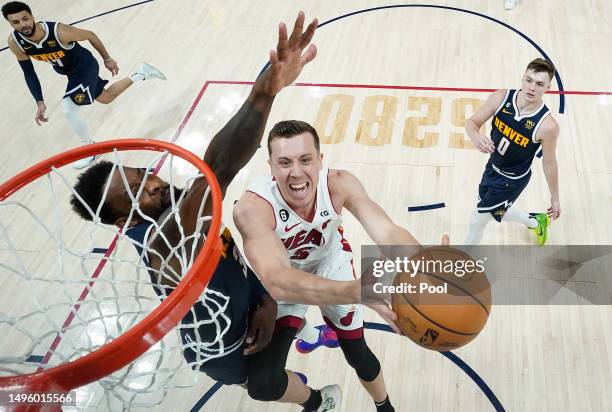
<point x="514" y="137"/>
<point x="307" y="243"/>
<point x="64" y="57"/>
<point x="217" y="323"/>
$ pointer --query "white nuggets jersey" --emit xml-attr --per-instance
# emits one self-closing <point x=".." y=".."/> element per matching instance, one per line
<point x="308" y="243"/>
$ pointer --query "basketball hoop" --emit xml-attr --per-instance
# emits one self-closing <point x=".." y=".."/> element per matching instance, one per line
<point x="125" y="348"/>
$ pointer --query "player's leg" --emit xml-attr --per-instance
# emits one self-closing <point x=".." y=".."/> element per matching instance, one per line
<point x="517" y="215"/>
<point x="144" y="72"/>
<point x="347" y="322"/>
<point x="538" y="222"/>
<point x="478" y="222"/>
<point x="77" y="124"/>
<point x="270" y="381"/>
<point x="480" y="218"/>
<point x="80" y="91"/>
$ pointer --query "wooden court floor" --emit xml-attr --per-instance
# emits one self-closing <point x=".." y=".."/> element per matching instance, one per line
<point x="389" y="93"/>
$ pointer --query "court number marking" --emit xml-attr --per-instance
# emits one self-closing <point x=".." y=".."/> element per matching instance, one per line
<point x="379" y="119"/>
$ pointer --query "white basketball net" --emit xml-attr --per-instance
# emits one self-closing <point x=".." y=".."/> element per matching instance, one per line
<point x="65" y="294"/>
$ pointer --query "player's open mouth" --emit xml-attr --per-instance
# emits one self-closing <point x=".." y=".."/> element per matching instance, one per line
<point x="298" y="188"/>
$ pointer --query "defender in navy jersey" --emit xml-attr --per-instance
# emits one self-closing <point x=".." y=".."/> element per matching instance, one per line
<point x="521" y="129"/>
<point x="57" y="44"/>
<point x="248" y="308"/>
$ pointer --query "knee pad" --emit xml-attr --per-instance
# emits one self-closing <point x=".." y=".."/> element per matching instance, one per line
<point x="267" y="386"/>
<point x="361" y="358"/>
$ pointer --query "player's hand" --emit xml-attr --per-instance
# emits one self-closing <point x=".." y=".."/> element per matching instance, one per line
<point x="287" y="61"/>
<point x="484" y="144"/>
<point x="261" y="326"/>
<point x="40" y="114"/>
<point x="554" y="211"/>
<point x="389" y="316"/>
<point x="112" y="66"/>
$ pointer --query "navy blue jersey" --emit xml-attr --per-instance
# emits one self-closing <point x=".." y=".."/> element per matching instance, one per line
<point x="514" y="137"/>
<point x="64" y="57"/>
<point x="217" y="323"/>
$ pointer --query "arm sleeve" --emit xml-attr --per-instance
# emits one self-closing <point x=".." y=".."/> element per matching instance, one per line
<point x="31" y="79"/>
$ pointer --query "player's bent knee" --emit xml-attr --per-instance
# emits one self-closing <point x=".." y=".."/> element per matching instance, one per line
<point x="267" y="390"/>
<point x="105" y="97"/>
<point x="361" y="358"/>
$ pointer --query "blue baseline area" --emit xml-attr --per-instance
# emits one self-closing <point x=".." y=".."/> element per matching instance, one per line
<point x="386" y="328"/>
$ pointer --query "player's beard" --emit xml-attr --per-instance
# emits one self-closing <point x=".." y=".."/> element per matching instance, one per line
<point x="31" y="29"/>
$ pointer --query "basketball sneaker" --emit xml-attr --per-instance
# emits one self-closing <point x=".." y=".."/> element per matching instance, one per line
<point x="332" y="398"/>
<point x="542" y="230"/>
<point x="327" y="337"/>
<point x="82" y="163"/>
<point x="86" y="161"/>
<point x="510" y="4"/>
<point x="302" y="377"/>
<point x="150" y="72"/>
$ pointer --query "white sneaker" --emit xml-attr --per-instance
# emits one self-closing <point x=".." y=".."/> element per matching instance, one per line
<point x="150" y="72"/>
<point x="510" y="4"/>
<point x="84" y="162"/>
<point x="332" y="398"/>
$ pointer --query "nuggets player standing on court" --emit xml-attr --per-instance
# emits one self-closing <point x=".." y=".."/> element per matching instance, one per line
<point x="57" y="43"/>
<point x="522" y="127"/>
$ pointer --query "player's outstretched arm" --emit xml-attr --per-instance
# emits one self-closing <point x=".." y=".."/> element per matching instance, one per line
<point x="483" y="143"/>
<point x="31" y="80"/>
<point x="267" y="256"/>
<point x="237" y="142"/>
<point x="374" y="219"/>
<point x="548" y="135"/>
<point x="68" y="34"/>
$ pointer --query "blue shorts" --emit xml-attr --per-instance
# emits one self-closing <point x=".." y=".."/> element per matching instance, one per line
<point x="496" y="193"/>
<point x="84" y="83"/>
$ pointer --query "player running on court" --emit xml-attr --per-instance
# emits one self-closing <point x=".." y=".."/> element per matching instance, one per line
<point x="57" y="43"/>
<point x="521" y="128"/>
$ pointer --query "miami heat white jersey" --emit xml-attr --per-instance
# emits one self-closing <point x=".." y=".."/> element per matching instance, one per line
<point x="307" y="243"/>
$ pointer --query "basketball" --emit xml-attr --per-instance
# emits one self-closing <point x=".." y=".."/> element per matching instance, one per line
<point x="445" y="304"/>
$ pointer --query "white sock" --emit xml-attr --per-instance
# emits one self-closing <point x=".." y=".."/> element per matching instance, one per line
<point x="478" y="222"/>
<point x="78" y="125"/>
<point x="308" y="333"/>
<point x="137" y="77"/>
<point x="516" y="215"/>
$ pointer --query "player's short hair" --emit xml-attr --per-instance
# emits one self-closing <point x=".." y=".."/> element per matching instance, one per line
<point x="290" y="128"/>
<point x="13" y="7"/>
<point x="542" y="65"/>
<point x="90" y="186"/>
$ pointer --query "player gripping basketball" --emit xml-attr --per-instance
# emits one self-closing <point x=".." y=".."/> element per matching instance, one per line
<point x="291" y="227"/>
<point x="57" y="43"/>
<point x="521" y="128"/>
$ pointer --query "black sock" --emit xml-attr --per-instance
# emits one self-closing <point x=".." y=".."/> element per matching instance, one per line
<point x="314" y="401"/>
<point x="384" y="406"/>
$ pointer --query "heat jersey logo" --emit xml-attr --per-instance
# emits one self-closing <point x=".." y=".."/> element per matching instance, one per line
<point x="301" y="244"/>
